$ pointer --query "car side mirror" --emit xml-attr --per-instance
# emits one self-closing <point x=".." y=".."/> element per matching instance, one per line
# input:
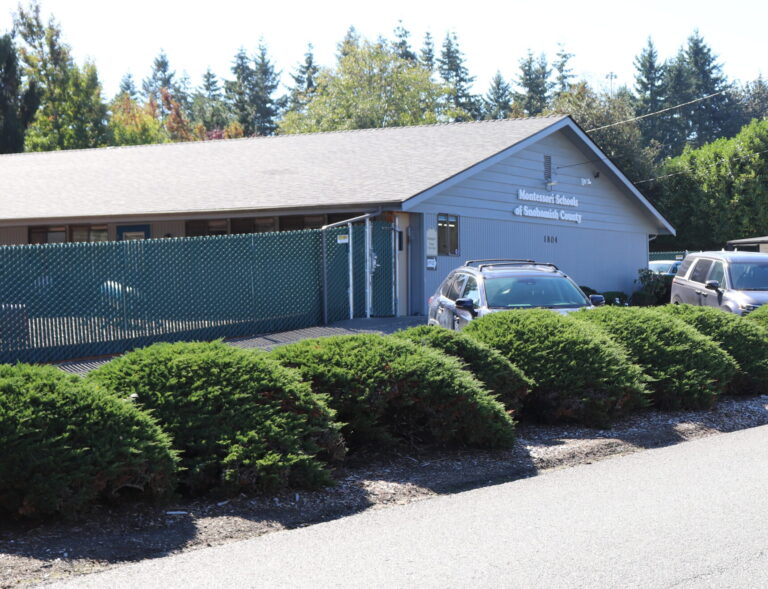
<point x="712" y="285"/>
<point x="466" y="305"/>
<point x="597" y="300"/>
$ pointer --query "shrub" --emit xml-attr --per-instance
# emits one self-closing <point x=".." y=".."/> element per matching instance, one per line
<point x="742" y="339"/>
<point x="497" y="373"/>
<point x="389" y="390"/>
<point x="588" y="291"/>
<point x="240" y="420"/>
<point x="688" y="369"/>
<point x="581" y="374"/>
<point x="615" y="298"/>
<point x="66" y="444"/>
<point x="759" y="316"/>
<point x="654" y="290"/>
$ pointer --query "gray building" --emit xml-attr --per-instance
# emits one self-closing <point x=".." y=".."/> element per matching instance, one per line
<point x="525" y="188"/>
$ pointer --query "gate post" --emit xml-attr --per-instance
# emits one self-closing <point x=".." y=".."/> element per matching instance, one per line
<point x="368" y="269"/>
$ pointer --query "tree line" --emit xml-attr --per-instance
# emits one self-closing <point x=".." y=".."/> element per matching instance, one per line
<point x="49" y="102"/>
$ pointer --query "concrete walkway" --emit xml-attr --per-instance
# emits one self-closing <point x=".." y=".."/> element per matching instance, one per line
<point x="269" y="341"/>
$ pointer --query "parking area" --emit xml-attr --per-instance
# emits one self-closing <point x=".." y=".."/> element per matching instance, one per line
<point x="268" y="341"/>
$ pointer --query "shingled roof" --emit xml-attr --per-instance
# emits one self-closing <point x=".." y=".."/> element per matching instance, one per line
<point x="347" y="168"/>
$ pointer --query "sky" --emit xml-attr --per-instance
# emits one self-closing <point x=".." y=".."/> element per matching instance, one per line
<point x="603" y="36"/>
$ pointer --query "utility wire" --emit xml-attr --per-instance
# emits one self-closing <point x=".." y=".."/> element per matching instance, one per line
<point x="650" y="114"/>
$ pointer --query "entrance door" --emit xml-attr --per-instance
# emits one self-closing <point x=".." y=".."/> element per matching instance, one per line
<point x="129" y="232"/>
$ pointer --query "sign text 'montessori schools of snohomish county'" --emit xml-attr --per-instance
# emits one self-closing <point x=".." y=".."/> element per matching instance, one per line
<point x="544" y="212"/>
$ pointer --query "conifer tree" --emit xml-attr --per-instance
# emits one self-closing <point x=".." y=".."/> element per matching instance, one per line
<point x="128" y="87"/>
<point x="17" y="105"/>
<point x="208" y="108"/>
<point x="649" y="91"/>
<point x="304" y="82"/>
<point x="534" y="82"/>
<point x="564" y="75"/>
<point x="453" y="71"/>
<point x="402" y="44"/>
<point x="267" y="107"/>
<point x="497" y="103"/>
<point x="427" y="56"/>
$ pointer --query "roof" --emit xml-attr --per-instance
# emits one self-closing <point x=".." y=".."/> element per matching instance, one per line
<point x="346" y="169"/>
<point x="732" y="256"/>
<point x="748" y="241"/>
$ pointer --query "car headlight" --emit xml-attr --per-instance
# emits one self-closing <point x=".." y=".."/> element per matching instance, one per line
<point x="747" y="307"/>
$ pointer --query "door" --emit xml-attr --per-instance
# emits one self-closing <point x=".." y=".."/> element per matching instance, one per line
<point x="447" y="304"/>
<point x="128" y="232"/>
<point x="696" y="294"/>
<point x="469" y="291"/>
<point x="714" y="298"/>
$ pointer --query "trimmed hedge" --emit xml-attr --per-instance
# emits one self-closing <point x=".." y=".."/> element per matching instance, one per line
<point x="742" y="339"/>
<point x="240" y="420"/>
<point x="388" y="390"/>
<point x="688" y="369"/>
<point x="581" y="374"/>
<point x="759" y="316"/>
<point x="491" y="368"/>
<point x="64" y="444"/>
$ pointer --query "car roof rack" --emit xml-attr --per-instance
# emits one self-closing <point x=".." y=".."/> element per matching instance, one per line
<point x="507" y="262"/>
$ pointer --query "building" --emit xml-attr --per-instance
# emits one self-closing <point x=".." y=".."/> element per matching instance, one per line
<point x="750" y="244"/>
<point x="526" y="188"/>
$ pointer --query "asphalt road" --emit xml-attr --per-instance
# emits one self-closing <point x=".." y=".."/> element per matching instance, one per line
<point x="693" y="515"/>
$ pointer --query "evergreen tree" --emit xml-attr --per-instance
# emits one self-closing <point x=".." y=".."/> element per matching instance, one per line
<point x="304" y="82"/>
<point x="712" y="118"/>
<point x="267" y="108"/>
<point x="450" y="66"/>
<point x="349" y="43"/>
<point x="564" y="75"/>
<point x="132" y="124"/>
<point x="208" y="109"/>
<point x="649" y="91"/>
<point x="72" y="113"/>
<point x="427" y="57"/>
<point x="128" y="87"/>
<point x="161" y="76"/>
<point x="753" y="97"/>
<point x="534" y="83"/>
<point x="17" y="105"/>
<point x="675" y="125"/>
<point x="239" y="91"/>
<point x="497" y="103"/>
<point x="402" y="44"/>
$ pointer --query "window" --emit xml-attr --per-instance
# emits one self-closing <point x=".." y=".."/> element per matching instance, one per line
<point x="89" y="233"/>
<point x="47" y="234"/>
<point x="456" y="287"/>
<point x="213" y="227"/>
<point x="471" y="291"/>
<point x="700" y="270"/>
<point x="717" y="273"/>
<point x="447" y="235"/>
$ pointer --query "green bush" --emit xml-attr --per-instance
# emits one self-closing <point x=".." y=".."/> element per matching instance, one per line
<point x="389" y="390"/>
<point x="741" y="338"/>
<point x="581" y="374"/>
<point x="64" y="444"/>
<point x="588" y="291"/>
<point x="240" y="420"/>
<point x="688" y="369"/>
<point x="612" y="296"/>
<point x="760" y="316"/>
<point x="497" y="373"/>
<point x="654" y="290"/>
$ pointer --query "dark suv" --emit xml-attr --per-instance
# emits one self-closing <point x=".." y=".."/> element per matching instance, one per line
<point x="480" y="287"/>
<point x="736" y="282"/>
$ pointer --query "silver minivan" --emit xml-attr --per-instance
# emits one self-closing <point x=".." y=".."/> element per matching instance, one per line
<point x="736" y="282"/>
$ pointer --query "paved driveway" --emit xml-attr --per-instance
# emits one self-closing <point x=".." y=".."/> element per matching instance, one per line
<point x="269" y="341"/>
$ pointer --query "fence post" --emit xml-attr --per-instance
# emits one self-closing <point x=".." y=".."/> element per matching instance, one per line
<point x="395" y="268"/>
<point x="325" y="277"/>
<point x="351" y="272"/>
<point x="368" y="269"/>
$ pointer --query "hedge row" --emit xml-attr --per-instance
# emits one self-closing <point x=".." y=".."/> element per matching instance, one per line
<point x="202" y="418"/>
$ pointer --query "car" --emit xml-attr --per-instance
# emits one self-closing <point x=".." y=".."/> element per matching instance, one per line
<point x="480" y="287"/>
<point x="736" y="282"/>
<point x="666" y="267"/>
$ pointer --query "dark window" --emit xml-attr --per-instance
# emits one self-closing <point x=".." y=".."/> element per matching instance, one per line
<point x="684" y="267"/>
<point x="456" y="287"/>
<point x="447" y="235"/>
<point x="265" y="224"/>
<point x="471" y="291"/>
<point x="212" y="227"/>
<point x="241" y="225"/>
<point x="700" y="270"/>
<point x="89" y="233"/>
<point x="47" y="234"/>
<point x="717" y="273"/>
<point x="298" y="222"/>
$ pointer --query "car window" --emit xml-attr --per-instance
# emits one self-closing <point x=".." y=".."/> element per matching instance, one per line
<point x="510" y="292"/>
<point x="456" y="287"/>
<point x="683" y="270"/>
<point x="471" y="290"/>
<point x="700" y="270"/>
<point x="749" y="275"/>
<point x="445" y="287"/>
<point x="717" y="272"/>
<point x="660" y="267"/>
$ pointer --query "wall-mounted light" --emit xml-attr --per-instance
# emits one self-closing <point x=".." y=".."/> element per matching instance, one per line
<point x="551" y="184"/>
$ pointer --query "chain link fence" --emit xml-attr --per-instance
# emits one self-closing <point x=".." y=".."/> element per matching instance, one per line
<point x="62" y="301"/>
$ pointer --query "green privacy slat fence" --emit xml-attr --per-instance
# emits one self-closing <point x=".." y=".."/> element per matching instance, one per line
<point x="62" y="301"/>
<point x="666" y="255"/>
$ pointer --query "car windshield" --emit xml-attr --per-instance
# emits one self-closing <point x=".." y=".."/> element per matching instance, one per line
<point x="749" y="275"/>
<point x="512" y="292"/>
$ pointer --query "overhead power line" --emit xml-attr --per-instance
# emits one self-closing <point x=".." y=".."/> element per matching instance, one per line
<point x="658" y="112"/>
